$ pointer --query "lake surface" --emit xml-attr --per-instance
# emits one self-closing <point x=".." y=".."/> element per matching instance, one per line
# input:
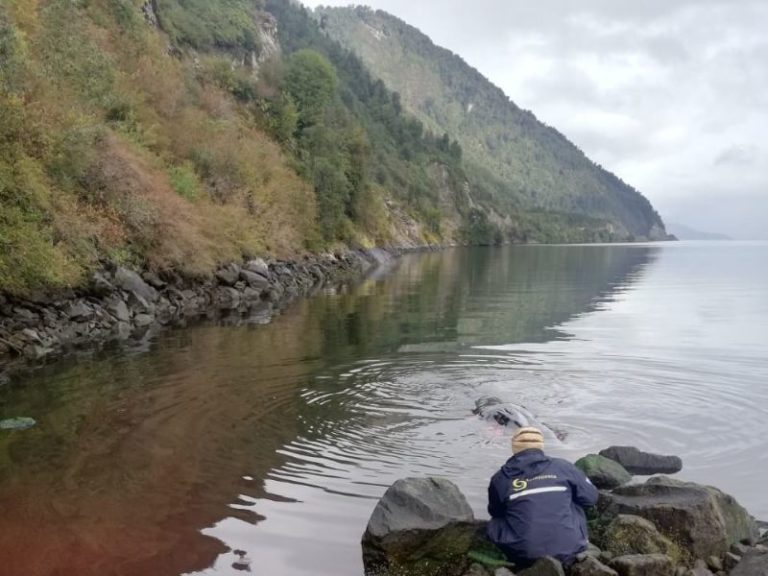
<point x="277" y="440"/>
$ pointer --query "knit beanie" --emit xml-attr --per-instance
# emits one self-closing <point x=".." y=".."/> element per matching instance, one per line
<point x="526" y="439"/>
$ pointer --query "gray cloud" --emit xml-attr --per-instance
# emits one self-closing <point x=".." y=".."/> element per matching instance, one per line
<point x="672" y="95"/>
<point x="738" y="155"/>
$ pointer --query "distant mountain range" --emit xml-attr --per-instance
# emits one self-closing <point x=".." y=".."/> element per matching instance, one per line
<point x="683" y="232"/>
<point x="523" y="163"/>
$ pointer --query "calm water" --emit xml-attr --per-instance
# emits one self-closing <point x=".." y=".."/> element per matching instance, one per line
<point x="277" y="439"/>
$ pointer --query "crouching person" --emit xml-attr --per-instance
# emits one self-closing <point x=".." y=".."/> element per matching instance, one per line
<point x="537" y="504"/>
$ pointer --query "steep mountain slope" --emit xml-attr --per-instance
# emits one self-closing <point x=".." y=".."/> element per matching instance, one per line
<point x="178" y="135"/>
<point x="173" y="135"/>
<point x="532" y="166"/>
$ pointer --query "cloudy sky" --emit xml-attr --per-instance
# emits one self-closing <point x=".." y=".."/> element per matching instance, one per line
<point x="672" y="95"/>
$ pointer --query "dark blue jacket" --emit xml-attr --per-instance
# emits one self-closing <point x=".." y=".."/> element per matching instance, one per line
<point x="537" y="505"/>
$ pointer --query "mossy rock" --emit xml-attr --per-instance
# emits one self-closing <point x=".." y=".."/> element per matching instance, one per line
<point x="628" y="535"/>
<point x="702" y="521"/>
<point x="603" y="472"/>
<point x="442" y="552"/>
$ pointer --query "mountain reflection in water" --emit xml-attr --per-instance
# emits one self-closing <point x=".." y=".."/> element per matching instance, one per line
<point x="276" y="440"/>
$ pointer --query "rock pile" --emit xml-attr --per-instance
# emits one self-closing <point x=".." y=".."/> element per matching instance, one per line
<point x="119" y="303"/>
<point x="662" y="527"/>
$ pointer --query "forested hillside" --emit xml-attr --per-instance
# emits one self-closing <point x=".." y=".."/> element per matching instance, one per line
<point x="527" y="164"/>
<point x="183" y="134"/>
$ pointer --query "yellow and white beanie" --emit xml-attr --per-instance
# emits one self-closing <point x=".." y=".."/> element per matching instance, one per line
<point x="527" y="438"/>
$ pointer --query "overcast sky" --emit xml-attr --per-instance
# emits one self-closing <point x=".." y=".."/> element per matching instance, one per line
<point x="671" y="95"/>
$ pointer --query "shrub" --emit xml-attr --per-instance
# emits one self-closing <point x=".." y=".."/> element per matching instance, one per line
<point x="184" y="181"/>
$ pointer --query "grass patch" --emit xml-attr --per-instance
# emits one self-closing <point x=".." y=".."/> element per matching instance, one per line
<point x="185" y="182"/>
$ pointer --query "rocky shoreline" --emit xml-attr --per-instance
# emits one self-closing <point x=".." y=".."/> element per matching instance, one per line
<point x="660" y="527"/>
<point x="120" y="304"/>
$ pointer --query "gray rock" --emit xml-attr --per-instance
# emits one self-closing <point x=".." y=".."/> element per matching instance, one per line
<point x="593" y="550"/>
<point x="591" y="566"/>
<point x="142" y="320"/>
<point x="227" y="298"/>
<point x="25" y="315"/>
<point x="251" y="295"/>
<point x="740" y="549"/>
<point x="258" y="266"/>
<point x="715" y="563"/>
<point x="420" y="526"/>
<point x="754" y="563"/>
<point x="603" y="472"/>
<point x="132" y="283"/>
<point x="228" y="275"/>
<point x="154" y="280"/>
<point x="254" y="279"/>
<point x="644" y="463"/>
<point x="139" y="304"/>
<point x="503" y="572"/>
<point x="31" y="335"/>
<point x="419" y="504"/>
<point x="547" y="566"/>
<point x="643" y="565"/>
<point x="100" y="286"/>
<point x="119" y="309"/>
<point x="80" y="311"/>
<point x="701" y="520"/>
<point x="83" y="328"/>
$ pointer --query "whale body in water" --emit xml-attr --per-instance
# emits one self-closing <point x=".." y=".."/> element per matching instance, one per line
<point x="507" y="414"/>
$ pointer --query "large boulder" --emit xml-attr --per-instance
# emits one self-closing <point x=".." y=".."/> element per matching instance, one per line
<point x="254" y="280"/>
<point x="754" y="563"/>
<point x="132" y="283"/>
<point x="258" y="266"/>
<point x="643" y="565"/>
<point x="420" y="526"/>
<point x="603" y="472"/>
<point x="119" y="309"/>
<point x="627" y="535"/>
<point x="643" y="463"/>
<point x="701" y="520"/>
<point x="228" y="275"/>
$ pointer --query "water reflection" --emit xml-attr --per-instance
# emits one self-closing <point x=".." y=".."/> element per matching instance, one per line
<point x="274" y="440"/>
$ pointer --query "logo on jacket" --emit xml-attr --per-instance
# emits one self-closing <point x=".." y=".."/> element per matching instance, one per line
<point x="518" y="485"/>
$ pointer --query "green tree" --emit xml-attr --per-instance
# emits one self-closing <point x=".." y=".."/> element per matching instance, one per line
<point x="311" y="82"/>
